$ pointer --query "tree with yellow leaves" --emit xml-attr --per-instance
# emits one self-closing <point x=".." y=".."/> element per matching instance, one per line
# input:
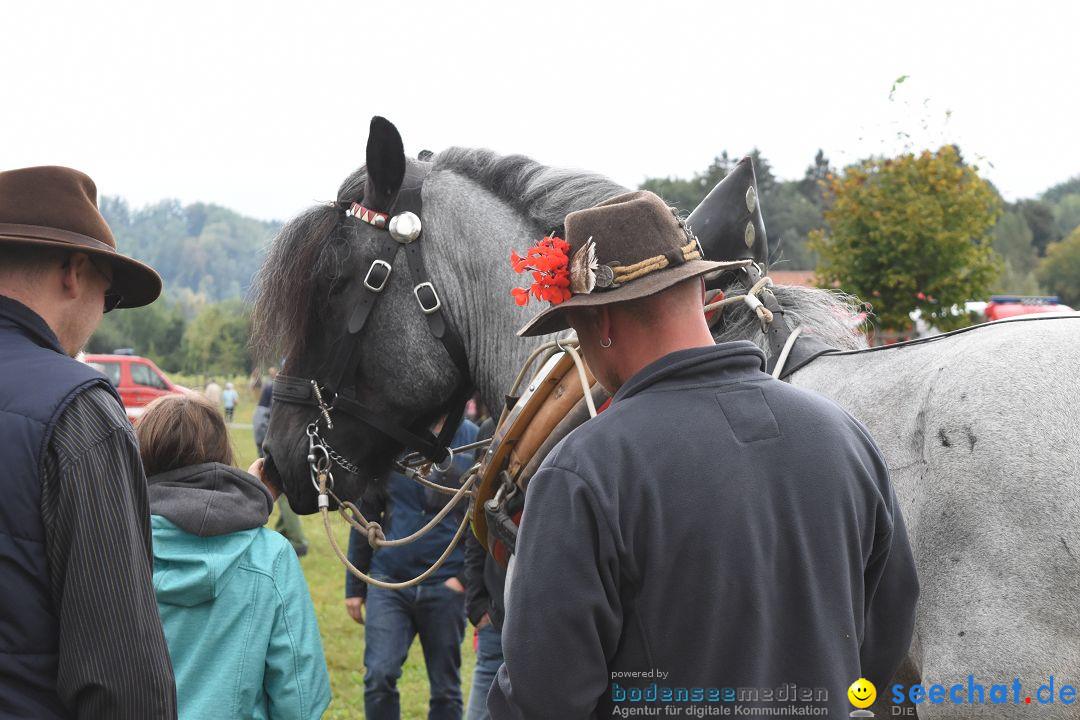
<point x="911" y="232"/>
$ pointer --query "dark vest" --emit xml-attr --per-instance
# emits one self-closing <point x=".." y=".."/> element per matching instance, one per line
<point x="37" y="381"/>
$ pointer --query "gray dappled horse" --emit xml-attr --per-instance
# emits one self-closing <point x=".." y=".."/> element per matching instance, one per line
<point x="978" y="428"/>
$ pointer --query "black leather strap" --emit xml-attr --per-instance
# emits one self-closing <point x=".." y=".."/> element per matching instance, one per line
<point x="779" y="331"/>
<point x="423" y="442"/>
<point x="440" y="328"/>
<point x="387" y="250"/>
<point x="805" y="351"/>
<point x="293" y="390"/>
<point x="344" y="356"/>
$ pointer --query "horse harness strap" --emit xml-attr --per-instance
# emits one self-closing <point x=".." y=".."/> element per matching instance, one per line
<point x="431" y="306"/>
<point x="375" y="281"/>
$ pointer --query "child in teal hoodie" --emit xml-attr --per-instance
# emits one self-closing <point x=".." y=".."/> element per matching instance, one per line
<point x="234" y="604"/>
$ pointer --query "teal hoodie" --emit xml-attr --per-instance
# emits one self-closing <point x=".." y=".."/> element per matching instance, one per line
<point x="236" y="610"/>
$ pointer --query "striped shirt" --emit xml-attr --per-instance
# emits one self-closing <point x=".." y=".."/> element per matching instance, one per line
<point x="113" y="661"/>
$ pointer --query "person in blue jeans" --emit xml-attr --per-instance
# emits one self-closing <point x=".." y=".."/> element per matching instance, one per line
<point x="484" y="581"/>
<point x="434" y="609"/>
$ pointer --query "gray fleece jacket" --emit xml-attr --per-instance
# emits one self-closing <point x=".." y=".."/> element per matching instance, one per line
<point x="714" y="538"/>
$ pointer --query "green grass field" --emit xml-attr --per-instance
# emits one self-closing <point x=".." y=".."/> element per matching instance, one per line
<point x="343" y="639"/>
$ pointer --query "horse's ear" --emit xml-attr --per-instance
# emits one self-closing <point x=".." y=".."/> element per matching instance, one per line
<point x="385" y="164"/>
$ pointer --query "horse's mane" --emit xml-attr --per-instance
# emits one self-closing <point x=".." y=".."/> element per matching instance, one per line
<point x="829" y="315"/>
<point x="545" y="194"/>
<point x="305" y="252"/>
<point x="282" y="290"/>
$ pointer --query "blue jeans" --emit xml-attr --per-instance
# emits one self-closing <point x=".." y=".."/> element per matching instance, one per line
<point x="393" y="619"/>
<point x="489" y="657"/>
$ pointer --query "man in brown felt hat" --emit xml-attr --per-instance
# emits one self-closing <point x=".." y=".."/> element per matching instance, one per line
<point x="80" y="634"/>
<point x="713" y="528"/>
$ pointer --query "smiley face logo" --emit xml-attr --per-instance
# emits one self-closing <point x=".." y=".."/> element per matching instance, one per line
<point x="862" y="693"/>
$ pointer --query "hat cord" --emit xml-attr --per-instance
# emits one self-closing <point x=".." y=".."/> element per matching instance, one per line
<point x="624" y="274"/>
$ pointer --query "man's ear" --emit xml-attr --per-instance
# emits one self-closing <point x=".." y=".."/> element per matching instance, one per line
<point x="602" y="319"/>
<point x="74" y="272"/>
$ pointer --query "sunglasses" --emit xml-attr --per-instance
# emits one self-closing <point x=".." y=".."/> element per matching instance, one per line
<point x="112" y="298"/>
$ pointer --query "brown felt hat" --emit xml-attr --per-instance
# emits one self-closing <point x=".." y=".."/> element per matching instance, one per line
<point x="625" y="248"/>
<point x="56" y="207"/>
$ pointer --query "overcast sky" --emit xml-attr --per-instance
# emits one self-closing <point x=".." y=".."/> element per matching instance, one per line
<point x="264" y="107"/>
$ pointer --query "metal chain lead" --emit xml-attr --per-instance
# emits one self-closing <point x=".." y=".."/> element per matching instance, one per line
<point x="343" y="462"/>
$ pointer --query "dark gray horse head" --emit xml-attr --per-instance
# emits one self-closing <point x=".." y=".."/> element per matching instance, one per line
<point x="318" y="272"/>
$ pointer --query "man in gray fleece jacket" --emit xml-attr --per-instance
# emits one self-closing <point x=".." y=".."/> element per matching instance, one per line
<point x="715" y="538"/>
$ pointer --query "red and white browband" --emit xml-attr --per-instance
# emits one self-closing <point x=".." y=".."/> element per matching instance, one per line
<point x="371" y="217"/>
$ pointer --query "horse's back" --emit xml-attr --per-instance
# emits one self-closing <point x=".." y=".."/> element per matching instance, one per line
<point x="980" y="433"/>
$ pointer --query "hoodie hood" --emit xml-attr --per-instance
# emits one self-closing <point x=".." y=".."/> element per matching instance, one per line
<point x="204" y="519"/>
<point x="190" y="570"/>
<point x="210" y="499"/>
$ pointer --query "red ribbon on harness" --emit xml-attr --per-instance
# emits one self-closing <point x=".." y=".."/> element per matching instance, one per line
<point x="371" y="217"/>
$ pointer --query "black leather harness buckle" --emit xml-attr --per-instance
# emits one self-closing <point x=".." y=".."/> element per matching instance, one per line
<point x="427" y="297"/>
<point x="377" y="276"/>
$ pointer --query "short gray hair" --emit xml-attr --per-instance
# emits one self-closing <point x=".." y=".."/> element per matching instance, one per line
<point x="28" y="262"/>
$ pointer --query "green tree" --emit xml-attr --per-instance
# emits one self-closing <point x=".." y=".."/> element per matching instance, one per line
<point x="813" y="183"/>
<point x="789" y="215"/>
<point x="207" y="248"/>
<point x="908" y="233"/>
<point x="1059" y="271"/>
<point x="1067" y="214"/>
<point x="1012" y="241"/>
<point x="154" y="331"/>
<point x="789" y="220"/>
<point x="687" y="194"/>
<point x="216" y="341"/>
<point x="1040" y="218"/>
<point x="677" y="192"/>
<point x="1057" y="192"/>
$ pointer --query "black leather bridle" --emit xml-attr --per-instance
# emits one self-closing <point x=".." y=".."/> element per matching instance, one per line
<point x="334" y="390"/>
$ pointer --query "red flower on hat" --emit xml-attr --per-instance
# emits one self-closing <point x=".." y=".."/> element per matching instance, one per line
<point x="549" y="263"/>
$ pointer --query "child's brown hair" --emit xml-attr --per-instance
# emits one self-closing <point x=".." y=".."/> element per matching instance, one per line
<point x="180" y="430"/>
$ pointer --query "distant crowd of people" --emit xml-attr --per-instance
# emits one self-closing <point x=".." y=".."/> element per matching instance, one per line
<point x="227" y="399"/>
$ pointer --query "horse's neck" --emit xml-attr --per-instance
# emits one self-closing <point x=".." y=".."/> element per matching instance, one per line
<point x="497" y="367"/>
<point x="496" y="353"/>
<point x="471" y="264"/>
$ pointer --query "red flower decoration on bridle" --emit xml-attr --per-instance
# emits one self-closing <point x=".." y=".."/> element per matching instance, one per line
<point x="549" y="262"/>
